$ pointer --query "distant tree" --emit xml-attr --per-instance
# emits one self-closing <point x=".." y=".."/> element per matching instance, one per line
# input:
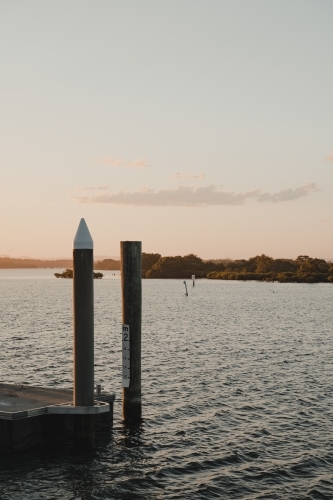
<point x="149" y="260"/>
<point x="264" y="263"/>
<point x="182" y="267"/>
<point x="68" y="274"/>
<point x="302" y="258"/>
<point x="107" y="265"/>
<point x="309" y="265"/>
<point x="285" y="265"/>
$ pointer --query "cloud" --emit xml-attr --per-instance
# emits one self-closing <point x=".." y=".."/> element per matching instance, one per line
<point x="288" y="194"/>
<point x="119" y="162"/>
<point x="330" y="157"/>
<point x="92" y="188"/>
<point x="180" y="196"/>
<point x="180" y="175"/>
<point x="193" y="197"/>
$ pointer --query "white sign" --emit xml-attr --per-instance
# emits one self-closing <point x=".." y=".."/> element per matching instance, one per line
<point x="126" y="355"/>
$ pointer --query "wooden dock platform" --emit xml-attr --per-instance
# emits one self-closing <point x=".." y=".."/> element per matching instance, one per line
<point x="31" y="415"/>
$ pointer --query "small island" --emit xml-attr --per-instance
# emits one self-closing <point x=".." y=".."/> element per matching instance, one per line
<point x="68" y="274"/>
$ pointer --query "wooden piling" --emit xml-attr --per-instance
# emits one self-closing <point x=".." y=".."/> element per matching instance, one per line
<point x="83" y="309"/>
<point x="131" y="265"/>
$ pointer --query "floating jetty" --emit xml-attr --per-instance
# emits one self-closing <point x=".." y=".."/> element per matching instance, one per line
<point x="30" y="416"/>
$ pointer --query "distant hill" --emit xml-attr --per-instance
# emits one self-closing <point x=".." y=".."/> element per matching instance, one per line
<point x="12" y="263"/>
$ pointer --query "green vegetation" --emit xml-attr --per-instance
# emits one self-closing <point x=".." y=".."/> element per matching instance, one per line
<point x="68" y="274"/>
<point x="181" y="267"/>
<point x="304" y="269"/>
<point x="148" y="261"/>
<point x="107" y="265"/>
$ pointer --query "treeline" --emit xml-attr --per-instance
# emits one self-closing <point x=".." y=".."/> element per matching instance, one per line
<point x="156" y="266"/>
<point x="107" y="265"/>
<point x="304" y="269"/>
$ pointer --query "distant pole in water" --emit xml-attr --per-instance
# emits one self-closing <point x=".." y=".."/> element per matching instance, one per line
<point x="83" y="309"/>
<point x="193" y="279"/>
<point x="131" y="271"/>
<point x="185" y="288"/>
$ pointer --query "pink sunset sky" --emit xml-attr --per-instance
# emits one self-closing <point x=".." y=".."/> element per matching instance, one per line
<point x="194" y="126"/>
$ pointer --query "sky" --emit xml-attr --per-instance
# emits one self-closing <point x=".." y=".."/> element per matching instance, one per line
<point x="194" y="126"/>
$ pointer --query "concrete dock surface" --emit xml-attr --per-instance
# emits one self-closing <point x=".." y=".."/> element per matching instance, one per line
<point x="26" y="419"/>
<point x="19" y="400"/>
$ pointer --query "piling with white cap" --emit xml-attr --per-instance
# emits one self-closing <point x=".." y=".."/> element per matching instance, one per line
<point x="83" y="307"/>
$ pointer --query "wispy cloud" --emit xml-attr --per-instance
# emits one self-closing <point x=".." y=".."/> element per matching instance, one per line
<point x="330" y="157"/>
<point x="193" y="197"/>
<point x="180" y="175"/>
<point x="92" y="188"/>
<point x="119" y="162"/>
<point x="288" y="194"/>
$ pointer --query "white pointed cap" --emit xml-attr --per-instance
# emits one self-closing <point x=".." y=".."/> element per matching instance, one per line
<point x="83" y="239"/>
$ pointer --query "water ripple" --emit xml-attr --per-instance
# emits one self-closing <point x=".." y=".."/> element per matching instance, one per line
<point x="237" y="385"/>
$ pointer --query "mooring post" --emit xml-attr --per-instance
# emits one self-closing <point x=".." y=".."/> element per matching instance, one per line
<point x="131" y="264"/>
<point x="83" y="302"/>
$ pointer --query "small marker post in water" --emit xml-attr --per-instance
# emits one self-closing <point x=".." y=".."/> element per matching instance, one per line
<point x="186" y="293"/>
<point x="131" y="271"/>
<point x="193" y="279"/>
<point x="83" y="308"/>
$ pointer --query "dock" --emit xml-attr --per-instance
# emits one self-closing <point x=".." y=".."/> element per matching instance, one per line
<point x="31" y="415"/>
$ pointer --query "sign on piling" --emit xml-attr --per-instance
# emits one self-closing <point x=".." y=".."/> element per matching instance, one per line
<point x="126" y="355"/>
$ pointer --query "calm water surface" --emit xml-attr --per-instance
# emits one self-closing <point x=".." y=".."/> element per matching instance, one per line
<point x="237" y="390"/>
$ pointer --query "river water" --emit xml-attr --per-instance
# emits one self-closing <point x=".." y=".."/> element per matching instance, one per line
<point x="237" y="390"/>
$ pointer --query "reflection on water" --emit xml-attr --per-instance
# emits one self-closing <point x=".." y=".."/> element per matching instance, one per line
<point x="237" y="390"/>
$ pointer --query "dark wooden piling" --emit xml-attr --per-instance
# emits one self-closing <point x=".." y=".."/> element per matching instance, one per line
<point x="131" y="265"/>
<point x="83" y="309"/>
<point x="83" y="328"/>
